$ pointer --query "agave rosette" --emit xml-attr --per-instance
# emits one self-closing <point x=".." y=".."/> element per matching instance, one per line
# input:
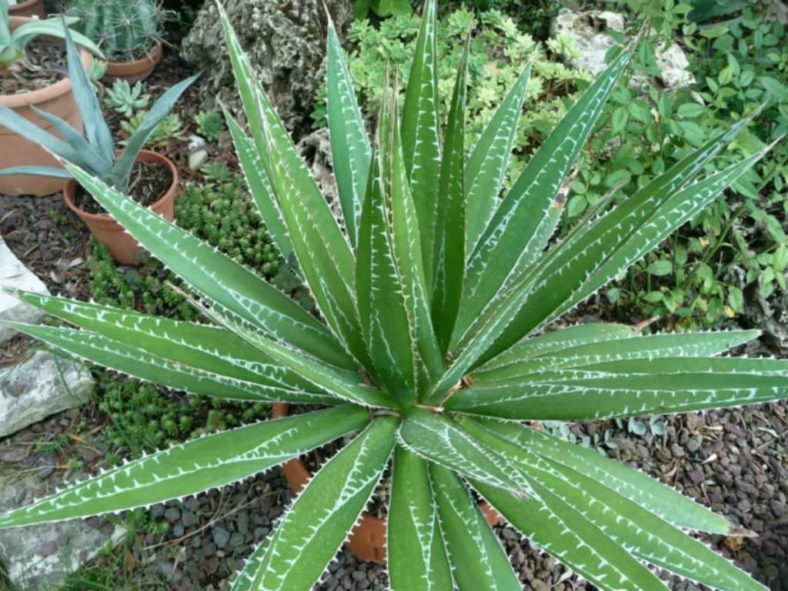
<point x="428" y="344"/>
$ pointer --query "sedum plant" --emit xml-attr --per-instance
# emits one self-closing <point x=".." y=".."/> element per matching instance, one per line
<point x="14" y="43"/>
<point x="94" y="151"/>
<point x="429" y="347"/>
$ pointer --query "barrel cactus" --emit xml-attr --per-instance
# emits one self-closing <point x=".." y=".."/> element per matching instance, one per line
<point x="124" y="29"/>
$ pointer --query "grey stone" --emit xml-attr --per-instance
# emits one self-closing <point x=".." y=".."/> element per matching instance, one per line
<point x="220" y="536"/>
<point x="197" y="159"/>
<point x="39" y="387"/>
<point x="588" y="32"/>
<point x="41" y="556"/>
<point x="285" y="41"/>
<point x="14" y="275"/>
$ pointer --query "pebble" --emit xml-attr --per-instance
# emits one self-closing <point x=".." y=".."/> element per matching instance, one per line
<point x="172" y="514"/>
<point x="220" y="536"/>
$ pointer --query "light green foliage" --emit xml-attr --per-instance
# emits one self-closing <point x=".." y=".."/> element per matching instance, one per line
<point x="13" y="43"/>
<point x="736" y="244"/>
<point x="209" y="124"/>
<point x="498" y="52"/>
<point x="169" y="128"/>
<point x="123" y="29"/>
<point x="446" y="394"/>
<point x="126" y="99"/>
<point x="95" y="150"/>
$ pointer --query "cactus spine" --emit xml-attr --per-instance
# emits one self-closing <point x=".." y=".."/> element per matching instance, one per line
<point x="122" y="28"/>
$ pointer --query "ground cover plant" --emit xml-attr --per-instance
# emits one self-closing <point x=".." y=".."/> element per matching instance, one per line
<point x="738" y="244"/>
<point x="498" y="50"/>
<point x="427" y="343"/>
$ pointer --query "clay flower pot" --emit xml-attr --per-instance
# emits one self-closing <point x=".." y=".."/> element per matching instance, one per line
<point x="135" y="70"/>
<point x="16" y="150"/>
<point x="120" y="244"/>
<point x="368" y="540"/>
<point x="28" y="8"/>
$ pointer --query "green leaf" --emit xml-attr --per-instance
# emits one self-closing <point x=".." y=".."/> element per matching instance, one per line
<point x="569" y="337"/>
<point x="477" y="559"/>
<point x="487" y="164"/>
<point x="133" y="361"/>
<point x="608" y="247"/>
<point x="349" y="142"/>
<point x="563" y="532"/>
<point x="381" y="299"/>
<point x="660" y="268"/>
<point x="57" y="173"/>
<point x="260" y="187"/>
<point x="407" y="245"/>
<point x="691" y="110"/>
<point x="192" y="467"/>
<point x="629" y="388"/>
<point x="449" y="235"/>
<point x="323" y="253"/>
<point x="628" y="345"/>
<point x="96" y="129"/>
<point x="161" y="108"/>
<point x="198" y="346"/>
<point x="522" y="225"/>
<point x="633" y="529"/>
<point x="416" y="556"/>
<point x="670" y="505"/>
<point x="312" y="530"/>
<point x="421" y="133"/>
<point x="443" y="442"/>
<point x="217" y="277"/>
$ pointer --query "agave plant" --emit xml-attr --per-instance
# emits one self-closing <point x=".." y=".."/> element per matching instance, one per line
<point x="14" y="43"/>
<point x="429" y="346"/>
<point x="96" y="151"/>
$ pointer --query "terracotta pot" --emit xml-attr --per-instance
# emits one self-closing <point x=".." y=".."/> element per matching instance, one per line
<point x="28" y="8"/>
<point x="120" y="244"/>
<point x="135" y="70"/>
<point x="368" y="540"/>
<point x="17" y="151"/>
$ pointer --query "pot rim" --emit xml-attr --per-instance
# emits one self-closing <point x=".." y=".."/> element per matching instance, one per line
<point x="69" y="187"/>
<point x="151" y="57"/>
<point x="41" y="95"/>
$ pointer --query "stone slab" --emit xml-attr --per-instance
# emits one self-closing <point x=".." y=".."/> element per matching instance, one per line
<point x="38" y="387"/>
<point x="14" y="275"/>
<point x="40" y="557"/>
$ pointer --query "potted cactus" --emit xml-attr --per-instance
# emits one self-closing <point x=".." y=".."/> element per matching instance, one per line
<point x="31" y="86"/>
<point x="128" y="31"/>
<point x="155" y="176"/>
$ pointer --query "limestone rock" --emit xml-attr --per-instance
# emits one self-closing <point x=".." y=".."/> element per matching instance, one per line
<point x="38" y="387"/>
<point x="588" y="32"/>
<point x="14" y="275"/>
<point x="39" y="557"/>
<point x="285" y="41"/>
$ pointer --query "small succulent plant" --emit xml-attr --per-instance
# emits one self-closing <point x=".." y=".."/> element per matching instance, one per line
<point x="126" y="99"/>
<point x="170" y="127"/>
<point x="209" y="124"/>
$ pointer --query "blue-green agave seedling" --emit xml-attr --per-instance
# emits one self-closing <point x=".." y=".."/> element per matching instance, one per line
<point x="427" y="347"/>
<point x="95" y="152"/>
<point x="14" y="43"/>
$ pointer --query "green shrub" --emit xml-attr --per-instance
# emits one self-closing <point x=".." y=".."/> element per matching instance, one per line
<point x="497" y="53"/>
<point x="738" y="243"/>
